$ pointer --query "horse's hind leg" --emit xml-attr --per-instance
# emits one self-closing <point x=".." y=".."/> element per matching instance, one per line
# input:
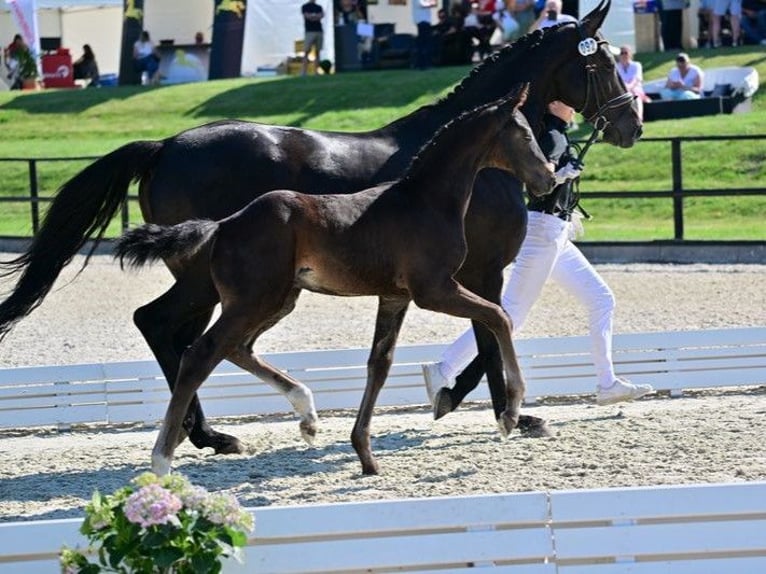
<point x="170" y="324"/>
<point x="197" y="363"/>
<point x="299" y="395"/>
<point x="388" y="323"/>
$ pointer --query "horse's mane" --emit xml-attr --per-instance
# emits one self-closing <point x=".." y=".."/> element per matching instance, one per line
<point x="447" y="134"/>
<point x="484" y="73"/>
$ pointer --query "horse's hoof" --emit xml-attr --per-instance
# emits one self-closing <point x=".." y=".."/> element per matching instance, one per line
<point x="506" y="424"/>
<point x="160" y="465"/>
<point x="442" y="403"/>
<point x="227" y="444"/>
<point x="308" y="432"/>
<point x="534" y="427"/>
<point x="370" y="468"/>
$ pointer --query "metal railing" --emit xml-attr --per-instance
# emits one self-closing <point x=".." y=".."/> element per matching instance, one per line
<point x="677" y="192"/>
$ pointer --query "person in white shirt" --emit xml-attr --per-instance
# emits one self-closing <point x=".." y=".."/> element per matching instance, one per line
<point x="146" y="59"/>
<point x="684" y="81"/>
<point x="552" y="15"/>
<point x="632" y="74"/>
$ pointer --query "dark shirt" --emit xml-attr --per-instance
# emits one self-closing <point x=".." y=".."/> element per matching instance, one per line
<point x="555" y="145"/>
<point x="312" y="8"/>
<point x="754" y="5"/>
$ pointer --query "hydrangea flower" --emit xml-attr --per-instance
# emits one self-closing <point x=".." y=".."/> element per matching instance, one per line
<point x="152" y="504"/>
<point x="187" y="527"/>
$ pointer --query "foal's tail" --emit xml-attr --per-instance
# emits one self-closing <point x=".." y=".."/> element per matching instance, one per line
<point x="151" y="242"/>
<point x="82" y="208"/>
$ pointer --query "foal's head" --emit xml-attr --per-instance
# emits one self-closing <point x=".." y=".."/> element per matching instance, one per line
<point x="515" y="148"/>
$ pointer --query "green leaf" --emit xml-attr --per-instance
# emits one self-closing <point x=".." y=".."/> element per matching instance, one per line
<point x="165" y="557"/>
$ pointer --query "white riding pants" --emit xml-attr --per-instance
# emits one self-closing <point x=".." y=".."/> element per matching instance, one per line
<point x="547" y="251"/>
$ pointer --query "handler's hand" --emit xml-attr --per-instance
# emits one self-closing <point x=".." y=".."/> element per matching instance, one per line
<point x="569" y="171"/>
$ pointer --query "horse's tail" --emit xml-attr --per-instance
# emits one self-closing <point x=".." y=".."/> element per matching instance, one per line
<point x="82" y="208"/>
<point x="151" y="242"/>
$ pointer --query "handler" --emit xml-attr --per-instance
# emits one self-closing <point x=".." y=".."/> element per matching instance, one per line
<point x="548" y="251"/>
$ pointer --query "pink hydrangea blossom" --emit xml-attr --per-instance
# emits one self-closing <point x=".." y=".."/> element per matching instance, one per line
<point x="152" y="504"/>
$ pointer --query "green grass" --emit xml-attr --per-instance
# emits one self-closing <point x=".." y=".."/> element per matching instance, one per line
<point x="61" y="123"/>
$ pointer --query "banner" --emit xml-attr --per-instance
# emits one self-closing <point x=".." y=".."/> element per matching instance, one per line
<point x="25" y="15"/>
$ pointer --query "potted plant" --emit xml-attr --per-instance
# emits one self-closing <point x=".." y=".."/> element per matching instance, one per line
<point x="159" y="525"/>
<point x="28" y="72"/>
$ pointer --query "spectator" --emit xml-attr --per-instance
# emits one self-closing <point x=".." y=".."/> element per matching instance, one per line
<point x="86" y="68"/>
<point x="684" y="81"/>
<point x="523" y="11"/>
<point x="313" y="32"/>
<point x="552" y="15"/>
<point x="146" y="59"/>
<point x="720" y="8"/>
<point x="421" y="17"/>
<point x="12" y="54"/>
<point x="632" y="75"/>
<point x="349" y="13"/>
<point x="548" y="252"/>
<point x="507" y="24"/>
<point x="671" y="23"/>
<point x="753" y="23"/>
<point x="453" y="45"/>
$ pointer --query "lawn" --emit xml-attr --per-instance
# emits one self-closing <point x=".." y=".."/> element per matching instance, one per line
<point x="75" y="123"/>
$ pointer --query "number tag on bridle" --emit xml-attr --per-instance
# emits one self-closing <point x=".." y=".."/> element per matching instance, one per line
<point x="587" y="47"/>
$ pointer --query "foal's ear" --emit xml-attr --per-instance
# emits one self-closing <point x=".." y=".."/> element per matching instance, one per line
<point x="522" y="91"/>
<point x="517" y="96"/>
<point x="591" y="22"/>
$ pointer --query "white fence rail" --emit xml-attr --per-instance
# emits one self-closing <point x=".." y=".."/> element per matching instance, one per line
<point x="648" y="530"/>
<point x="136" y="391"/>
<point x="700" y="529"/>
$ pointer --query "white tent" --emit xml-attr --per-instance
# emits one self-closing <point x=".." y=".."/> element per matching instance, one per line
<point x="273" y="26"/>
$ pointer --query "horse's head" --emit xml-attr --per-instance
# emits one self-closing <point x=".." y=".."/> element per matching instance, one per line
<point x="584" y="76"/>
<point x="515" y="148"/>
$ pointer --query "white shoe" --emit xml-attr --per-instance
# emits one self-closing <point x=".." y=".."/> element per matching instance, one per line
<point x="621" y="390"/>
<point x="434" y="378"/>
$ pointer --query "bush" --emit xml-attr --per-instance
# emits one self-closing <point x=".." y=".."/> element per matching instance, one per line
<point x="158" y="525"/>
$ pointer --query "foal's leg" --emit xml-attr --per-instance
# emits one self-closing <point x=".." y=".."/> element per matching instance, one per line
<point x="299" y="395"/>
<point x="197" y="363"/>
<point x="171" y="323"/>
<point x="450" y="297"/>
<point x="388" y="323"/>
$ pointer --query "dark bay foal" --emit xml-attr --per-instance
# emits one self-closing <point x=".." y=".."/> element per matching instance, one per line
<point x="402" y="241"/>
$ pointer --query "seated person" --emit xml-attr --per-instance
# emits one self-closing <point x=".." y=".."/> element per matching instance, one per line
<point x="552" y="15"/>
<point x="753" y="22"/>
<point x="146" y="58"/>
<point x="86" y="68"/>
<point x="11" y="55"/>
<point x="684" y="81"/>
<point x="632" y="74"/>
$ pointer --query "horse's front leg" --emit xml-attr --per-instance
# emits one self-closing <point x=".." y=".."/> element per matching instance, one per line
<point x="450" y="297"/>
<point x="388" y="323"/>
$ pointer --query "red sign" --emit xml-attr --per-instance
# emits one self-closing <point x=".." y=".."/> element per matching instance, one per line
<point x="57" y="70"/>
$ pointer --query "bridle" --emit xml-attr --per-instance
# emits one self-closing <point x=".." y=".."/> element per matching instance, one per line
<point x="587" y="48"/>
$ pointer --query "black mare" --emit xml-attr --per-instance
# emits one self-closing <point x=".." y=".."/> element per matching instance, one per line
<point x="216" y="169"/>
<point x="400" y="241"/>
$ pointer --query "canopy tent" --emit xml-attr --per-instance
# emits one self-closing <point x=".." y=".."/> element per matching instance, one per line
<point x="273" y="26"/>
